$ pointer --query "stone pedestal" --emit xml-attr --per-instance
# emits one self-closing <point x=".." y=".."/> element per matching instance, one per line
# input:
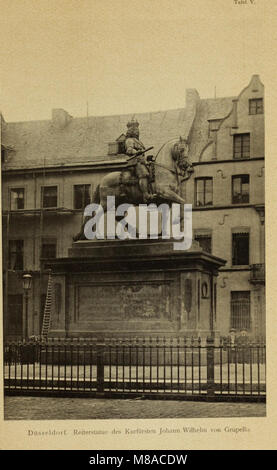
<point x="134" y="288"/>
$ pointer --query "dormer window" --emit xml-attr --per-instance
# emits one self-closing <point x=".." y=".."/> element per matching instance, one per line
<point x="256" y="106"/>
<point x="121" y="147"/>
<point x="213" y="125"/>
<point x="113" y="148"/>
<point x="118" y="146"/>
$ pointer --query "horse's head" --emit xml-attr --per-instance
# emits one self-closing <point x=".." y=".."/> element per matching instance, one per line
<point x="180" y="153"/>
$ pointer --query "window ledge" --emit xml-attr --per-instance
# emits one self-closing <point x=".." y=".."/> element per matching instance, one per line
<point x="241" y="266"/>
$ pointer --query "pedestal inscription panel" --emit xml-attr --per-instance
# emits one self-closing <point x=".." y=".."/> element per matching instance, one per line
<point x="138" y="300"/>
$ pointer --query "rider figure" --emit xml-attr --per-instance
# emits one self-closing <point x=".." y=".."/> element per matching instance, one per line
<point x="132" y="146"/>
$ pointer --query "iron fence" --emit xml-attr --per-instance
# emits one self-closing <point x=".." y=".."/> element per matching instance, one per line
<point x="182" y="368"/>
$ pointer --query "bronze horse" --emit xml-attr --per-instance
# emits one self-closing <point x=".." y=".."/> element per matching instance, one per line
<point x="171" y="168"/>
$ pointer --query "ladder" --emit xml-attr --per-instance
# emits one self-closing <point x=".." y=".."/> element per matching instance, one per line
<point x="47" y="309"/>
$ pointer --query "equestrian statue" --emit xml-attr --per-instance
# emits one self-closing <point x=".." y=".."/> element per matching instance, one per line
<point x="145" y="179"/>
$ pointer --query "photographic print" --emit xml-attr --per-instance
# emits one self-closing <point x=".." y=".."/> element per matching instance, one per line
<point x="133" y="218"/>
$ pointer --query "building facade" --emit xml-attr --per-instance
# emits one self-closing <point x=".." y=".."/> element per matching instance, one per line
<point x="51" y="168"/>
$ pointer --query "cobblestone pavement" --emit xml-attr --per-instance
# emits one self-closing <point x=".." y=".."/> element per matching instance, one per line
<point x="26" y="408"/>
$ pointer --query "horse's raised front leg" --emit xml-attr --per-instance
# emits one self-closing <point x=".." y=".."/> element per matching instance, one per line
<point x="169" y="195"/>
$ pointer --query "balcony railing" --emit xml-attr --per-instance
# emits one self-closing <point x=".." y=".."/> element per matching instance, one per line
<point x="38" y="211"/>
<point x="257" y="273"/>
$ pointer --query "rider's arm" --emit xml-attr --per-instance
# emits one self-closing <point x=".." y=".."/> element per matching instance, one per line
<point x="130" y="147"/>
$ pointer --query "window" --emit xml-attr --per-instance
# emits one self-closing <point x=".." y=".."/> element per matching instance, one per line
<point x="240" y="189"/>
<point x="240" y="248"/>
<point x="81" y="195"/>
<point x="256" y="106"/>
<point x="205" y="240"/>
<point x="203" y="191"/>
<point x="49" y="248"/>
<point x="49" y="195"/>
<point x="15" y="310"/>
<point x="118" y="146"/>
<point x="241" y="145"/>
<point x="240" y="310"/>
<point x="213" y="125"/>
<point x="112" y="148"/>
<point x="3" y="154"/>
<point x="17" y="198"/>
<point x="121" y="147"/>
<point x="16" y="254"/>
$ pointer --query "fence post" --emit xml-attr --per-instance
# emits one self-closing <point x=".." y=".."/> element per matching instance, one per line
<point x="210" y="367"/>
<point x="100" y="367"/>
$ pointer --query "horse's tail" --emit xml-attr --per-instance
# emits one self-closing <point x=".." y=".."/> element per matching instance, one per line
<point x="96" y="195"/>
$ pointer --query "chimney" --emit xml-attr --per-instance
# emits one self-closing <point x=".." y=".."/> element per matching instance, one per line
<point x="192" y="97"/>
<point x="60" y="118"/>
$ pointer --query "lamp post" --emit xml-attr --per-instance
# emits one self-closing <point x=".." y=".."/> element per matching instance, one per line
<point x="27" y="281"/>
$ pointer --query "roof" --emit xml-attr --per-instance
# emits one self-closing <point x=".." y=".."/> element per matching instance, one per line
<point x="65" y="140"/>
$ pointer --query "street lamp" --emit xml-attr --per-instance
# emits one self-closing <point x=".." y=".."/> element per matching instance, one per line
<point x="27" y="281"/>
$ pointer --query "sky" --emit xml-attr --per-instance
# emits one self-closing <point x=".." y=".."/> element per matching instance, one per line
<point x="105" y="57"/>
